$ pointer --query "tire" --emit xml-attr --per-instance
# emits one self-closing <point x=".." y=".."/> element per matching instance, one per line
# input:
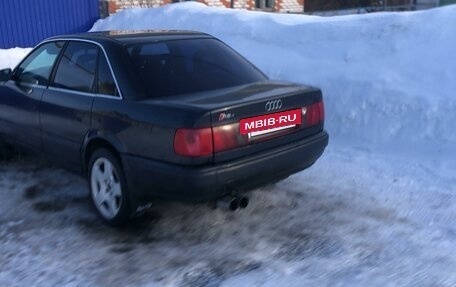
<point x="108" y="188"/>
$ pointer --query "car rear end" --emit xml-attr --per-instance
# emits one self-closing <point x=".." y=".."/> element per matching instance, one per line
<point x="266" y="136"/>
<point x="237" y="130"/>
<point x="237" y="144"/>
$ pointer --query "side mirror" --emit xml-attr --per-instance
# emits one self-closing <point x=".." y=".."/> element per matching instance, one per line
<point x="5" y="75"/>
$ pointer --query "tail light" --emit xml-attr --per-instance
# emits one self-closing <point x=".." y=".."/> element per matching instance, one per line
<point x="193" y="142"/>
<point x="314" y="114"/>
<point x="228" y="137"/>
<point x="203" y="142"/>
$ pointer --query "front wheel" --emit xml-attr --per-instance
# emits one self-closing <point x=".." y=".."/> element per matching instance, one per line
<point x="108" y="188"/>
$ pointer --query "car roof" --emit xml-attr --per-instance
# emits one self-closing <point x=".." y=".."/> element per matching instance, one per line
<point x="128" y="37"/>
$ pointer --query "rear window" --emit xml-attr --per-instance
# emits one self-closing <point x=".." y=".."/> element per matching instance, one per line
<point x="190" y="65"/>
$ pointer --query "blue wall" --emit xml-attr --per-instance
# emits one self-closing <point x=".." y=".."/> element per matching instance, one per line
<point x="24" y="23"/>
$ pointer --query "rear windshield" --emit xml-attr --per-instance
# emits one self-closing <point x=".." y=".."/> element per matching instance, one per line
<point x="190" y="65"/>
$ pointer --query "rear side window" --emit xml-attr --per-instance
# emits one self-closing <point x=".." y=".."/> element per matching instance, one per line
<point x="37" y="67"/>
<point x="190" y="65"/>
<point x="76" y="70"/>
<point x="106" y="84"/>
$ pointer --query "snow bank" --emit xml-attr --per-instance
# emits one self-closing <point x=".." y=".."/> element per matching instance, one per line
<point x="388" y="78"/>
<point x="11" y="57"/>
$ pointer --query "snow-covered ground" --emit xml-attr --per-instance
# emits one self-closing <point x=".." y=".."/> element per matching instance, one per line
<point x="378" y="209"/>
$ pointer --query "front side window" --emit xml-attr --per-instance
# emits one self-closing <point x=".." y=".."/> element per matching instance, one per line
<point x="37" y="67"/>
<point x="191" y="65"/>
<point x="76" y="70"/>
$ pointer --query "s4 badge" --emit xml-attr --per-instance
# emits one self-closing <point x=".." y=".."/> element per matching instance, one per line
<point x="225" y="116"/>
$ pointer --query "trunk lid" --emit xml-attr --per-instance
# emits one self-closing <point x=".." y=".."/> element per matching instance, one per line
<point x="247" y="101"/>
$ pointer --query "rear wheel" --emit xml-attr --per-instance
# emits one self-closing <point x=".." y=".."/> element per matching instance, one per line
<point x="108" y="188"/>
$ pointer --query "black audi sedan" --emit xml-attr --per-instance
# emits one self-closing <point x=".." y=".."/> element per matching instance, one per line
<point x="173" y="115"/>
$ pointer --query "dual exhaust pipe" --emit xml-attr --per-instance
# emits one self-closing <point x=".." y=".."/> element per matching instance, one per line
<point x="232" y="202"/>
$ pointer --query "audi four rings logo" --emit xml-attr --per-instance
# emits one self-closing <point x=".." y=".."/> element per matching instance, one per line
<point x="273" y="105"/>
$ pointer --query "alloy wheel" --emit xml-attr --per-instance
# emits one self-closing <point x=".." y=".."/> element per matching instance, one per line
<point x="106" y="188"/>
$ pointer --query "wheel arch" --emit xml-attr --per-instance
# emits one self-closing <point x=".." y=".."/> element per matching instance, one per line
<point x="97" y="141"/>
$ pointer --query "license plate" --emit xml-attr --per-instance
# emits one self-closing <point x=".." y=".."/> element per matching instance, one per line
<point x="269" y="123"/>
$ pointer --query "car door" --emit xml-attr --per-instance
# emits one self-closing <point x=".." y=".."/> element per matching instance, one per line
<point x="66" y="105"/>
<point x="20" y="97"/>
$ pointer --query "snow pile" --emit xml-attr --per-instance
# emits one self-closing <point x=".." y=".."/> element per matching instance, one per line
<point x="387" y="78"/>
<point x="11" y="57"/>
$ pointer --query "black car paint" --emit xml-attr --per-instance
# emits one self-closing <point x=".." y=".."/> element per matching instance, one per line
<point x="63" y="125"/>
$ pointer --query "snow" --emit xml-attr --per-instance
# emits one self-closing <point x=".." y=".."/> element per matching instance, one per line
<point x="378" y="209"/>
<point x="11" y="57"/>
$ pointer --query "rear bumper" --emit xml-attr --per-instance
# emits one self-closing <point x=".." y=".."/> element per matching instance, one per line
<point x="148" y="178"/>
